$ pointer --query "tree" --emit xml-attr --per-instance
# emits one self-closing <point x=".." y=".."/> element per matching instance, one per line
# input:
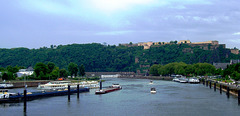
<point x="40" y="70"/>
<point x="82" y="70"/>
<point x="154" y="69"/>
<point x="55" y="73"/>
<point x="63" y="73"/>
<point x="73" y="69"/>
<point x="50" y="66"/>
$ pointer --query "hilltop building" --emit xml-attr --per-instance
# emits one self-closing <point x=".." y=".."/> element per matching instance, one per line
<point x="207" y="45"/>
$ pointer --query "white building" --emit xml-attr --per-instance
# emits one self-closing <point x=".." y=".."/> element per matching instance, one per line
<point x="27" y="72"/>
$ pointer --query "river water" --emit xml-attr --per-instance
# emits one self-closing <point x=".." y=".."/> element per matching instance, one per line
<point x="135" y="99"/>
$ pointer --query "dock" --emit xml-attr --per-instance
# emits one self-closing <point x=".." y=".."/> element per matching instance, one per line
<point x="18" y="97"/>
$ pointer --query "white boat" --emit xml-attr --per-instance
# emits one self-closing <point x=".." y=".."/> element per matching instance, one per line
<point x="151" y="82"/>
<point x="56" y="85"/>
<point x="115" y="85"/>
<point x="183" y="80"/>
<point x="153" y="91"/>
<point x="6" y="85"/>
<point x="5" y="94"/>
<point x="193" y="80"/>
<point x="176" y="79"/>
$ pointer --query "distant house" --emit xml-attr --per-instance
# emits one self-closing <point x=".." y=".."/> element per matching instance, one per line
<point x="234" y="61"/>
<point x="25" y="72"/>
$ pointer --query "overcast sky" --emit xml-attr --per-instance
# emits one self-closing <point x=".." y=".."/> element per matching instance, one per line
<point x="38" y="23"/>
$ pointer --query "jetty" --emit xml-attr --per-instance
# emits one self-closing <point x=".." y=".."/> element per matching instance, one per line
<point x="19" y="97"/>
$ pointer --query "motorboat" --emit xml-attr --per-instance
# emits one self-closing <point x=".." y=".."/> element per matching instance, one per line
<point x="176" y="79"/>
<point x="153" y="90"/>
<point x="151" y="82"/>
<point x="193" y="80"/>
<point x="183" y="80"/>
<point x="116" y="85"/>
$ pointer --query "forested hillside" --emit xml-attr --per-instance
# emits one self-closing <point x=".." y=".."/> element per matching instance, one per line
<point x="98" y="57"/>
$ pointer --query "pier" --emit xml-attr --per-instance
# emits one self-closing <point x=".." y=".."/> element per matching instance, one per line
<point x="19" y="97"/>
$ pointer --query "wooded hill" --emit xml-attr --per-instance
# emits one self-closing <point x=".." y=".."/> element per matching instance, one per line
<point x="97" y="57"/>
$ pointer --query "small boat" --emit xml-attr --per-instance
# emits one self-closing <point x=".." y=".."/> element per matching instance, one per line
<point x="183" y="80"/>
<point x="176" y="79"/>
<point x="153" y="91"/>
<point x="116" y="85"/>
<point x="151" y="82"/>
<point x="193" y="80"/>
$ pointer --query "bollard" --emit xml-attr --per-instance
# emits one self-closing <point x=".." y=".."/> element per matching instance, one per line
<point x="100" y="84"/>
<point x="238" y="97"/>
<point x="25" y="100"/>
<point x="207" y="83"/>
<point x="210" y="85"/>
<point x="215" y="86"/>
<point x="203" y="81"/>
<point x="220" y="89"/>
<point x="78" y="91"/>
<point x="228" y="92"/>
<point x="69" y="93"/>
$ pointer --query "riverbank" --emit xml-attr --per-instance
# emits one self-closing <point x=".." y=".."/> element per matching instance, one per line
<point x="35" y="83"/>
<point x="149" y="77"/>
<point x="233" y="89"/>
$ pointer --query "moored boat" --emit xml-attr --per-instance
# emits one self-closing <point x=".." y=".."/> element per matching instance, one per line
<point x="183" y="80"/>
<point x="193" y="80"/>
<point x="176" y="79"/>
<point x="5" y="85"/>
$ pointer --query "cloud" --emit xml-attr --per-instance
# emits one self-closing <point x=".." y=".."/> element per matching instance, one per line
<point x="114" y="32"/>
<point x="235" y="40"/>
<point x="237" y="33"/>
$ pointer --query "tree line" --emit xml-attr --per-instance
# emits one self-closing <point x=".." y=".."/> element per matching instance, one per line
<point x="44" y="71"/>
<point x="198" y="69"/>
<point x="111" y="58"/>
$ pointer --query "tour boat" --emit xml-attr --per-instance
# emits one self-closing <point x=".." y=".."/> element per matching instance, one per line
<point x="6" y="85"/>
<point x="153" y="90"/>
<point x="56" y="85"/>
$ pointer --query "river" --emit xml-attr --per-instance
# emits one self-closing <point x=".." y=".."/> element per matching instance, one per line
<point x="135" y="99"/>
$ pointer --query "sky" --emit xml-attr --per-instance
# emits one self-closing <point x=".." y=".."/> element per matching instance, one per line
<point x="39" y="23"/>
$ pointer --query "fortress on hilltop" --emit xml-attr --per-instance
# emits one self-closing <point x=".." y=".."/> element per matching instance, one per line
<point x="207" y="45"/>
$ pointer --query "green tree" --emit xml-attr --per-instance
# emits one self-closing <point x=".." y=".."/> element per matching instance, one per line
<point x="63" y="73"/>
<point x="73" y="69"/>
<point x="55" y="73"/>
<point x="154" y="69"/>
<point x="40" y="70"/>
<point x="81" y="70"/>
<point x="50" y="66"/>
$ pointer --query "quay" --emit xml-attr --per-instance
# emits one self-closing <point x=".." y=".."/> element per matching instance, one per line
<point x="18" y="97"/>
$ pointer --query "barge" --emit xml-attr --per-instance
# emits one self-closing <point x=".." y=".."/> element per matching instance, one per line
<point x="18" y="97"/>
<point x="112" y="88"/>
